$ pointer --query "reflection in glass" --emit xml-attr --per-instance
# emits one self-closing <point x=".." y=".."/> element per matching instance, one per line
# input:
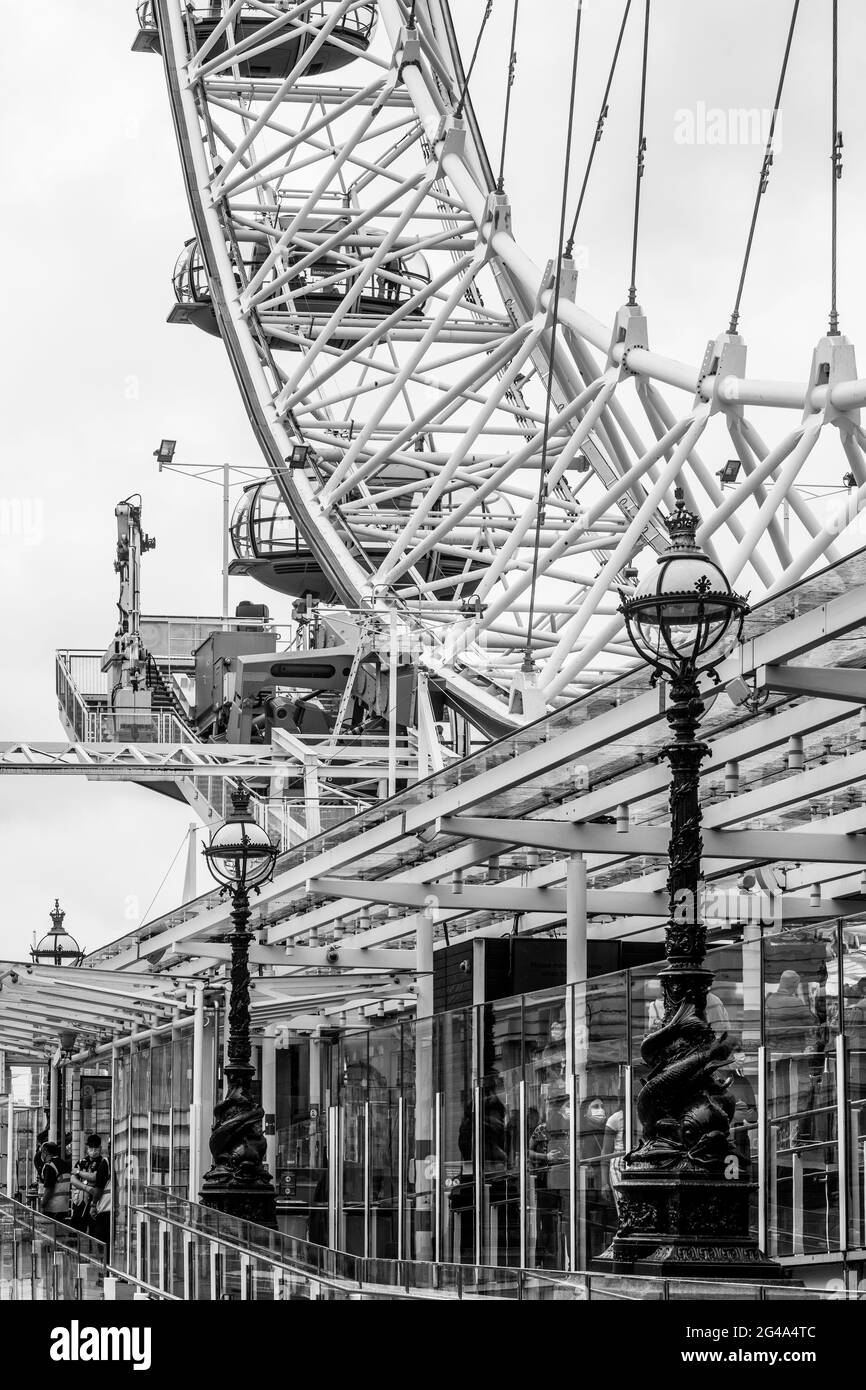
<point x="502" y="1073"/>
<point x="601" y="1055"/>
<point x="854" y="1023"/>
<point x="384" y="1139"/>
<point x="301" y="1124"/>
<point x="799" y="1034"/>
<point x="181" y="1099"/>
<point x="455" y="1083"/>
<point x="160" y="1111"/>
<point x="354" y="1087"/>
<point x="548" y="1131"/>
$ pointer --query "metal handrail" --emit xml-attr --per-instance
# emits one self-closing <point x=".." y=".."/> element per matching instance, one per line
<point x="162" y="1294"/>
<point x="310" y="1262"/>
<point x="70" y="700"/>
<point x="69" y="1254"/>
<point x="38" y="1221"/>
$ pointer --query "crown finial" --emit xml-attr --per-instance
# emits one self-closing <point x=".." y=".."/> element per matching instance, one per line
<point x="57" y="915"/>
<point x="682" y="525"/>
<point x="240" y="802"/>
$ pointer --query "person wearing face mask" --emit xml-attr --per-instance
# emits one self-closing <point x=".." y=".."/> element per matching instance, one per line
<point x="593" y="1119"/>
<point x="550" y="1163"/>
<point x="613" y="1152"/>
<point x="552" y="1062"/>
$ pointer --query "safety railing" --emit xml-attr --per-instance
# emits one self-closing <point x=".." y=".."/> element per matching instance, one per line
<point x="287" y="822"/>
<point x="136" y="726"/>
<point x="69" y="697"/>
<point x="192" y="1252"/>
<point x="83" y="702"/>
<point x="42" y="1259"/>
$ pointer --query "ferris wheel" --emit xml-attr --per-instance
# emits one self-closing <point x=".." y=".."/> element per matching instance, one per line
<point x="453" y="441"/>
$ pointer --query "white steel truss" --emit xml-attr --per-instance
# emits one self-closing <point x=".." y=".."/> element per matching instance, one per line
<point x="377" y="306"/>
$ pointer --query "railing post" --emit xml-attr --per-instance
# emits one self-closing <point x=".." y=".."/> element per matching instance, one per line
<point x="763" y="1151"/>
<point x="842" y="1116"/>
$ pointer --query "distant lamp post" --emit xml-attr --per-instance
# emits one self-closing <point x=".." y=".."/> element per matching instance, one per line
<point x="683" y="1198"/>
<point x="241" y="858"/>
<point x="56" y="947"/>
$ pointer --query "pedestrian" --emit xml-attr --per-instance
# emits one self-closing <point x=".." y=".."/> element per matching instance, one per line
<point x="54" y="1183"/>
<point x="94" y="1180"/>
<point x="41" y="1138"/>
<point x="80" y="1196"/>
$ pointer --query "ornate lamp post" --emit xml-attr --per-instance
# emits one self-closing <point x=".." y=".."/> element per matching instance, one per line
<point x="241" y="858"/>
<point x="683" y="1199"/>
<point x="56" y="947"/>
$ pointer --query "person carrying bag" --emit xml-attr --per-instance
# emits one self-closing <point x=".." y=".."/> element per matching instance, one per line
<point x="80" y="1197"/>
<point x="93" y="1182"/>
<point x="55" y="1184"/>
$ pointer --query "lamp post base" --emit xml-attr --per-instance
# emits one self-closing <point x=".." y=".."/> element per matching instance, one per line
<point x="678" y="1225"/>
<point x="246" y="1204"/>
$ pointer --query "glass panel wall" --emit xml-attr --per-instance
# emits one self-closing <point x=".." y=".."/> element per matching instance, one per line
<point x="734" y="1008"/>
<point x="353" y="1096"/>
<point x="801" y="1023"/>
<point x="160" y="1111"/>
<point x="495" y="1135"/>
<point x="385" y="1079"/>
<point x="419" y="1145"/>
<point x="94" y="1103"/>
<point x="302" y="1131"/>
<point x="547" y="1130"/>
<point x="151" y="1107"/>
<point x="853" y="1021"/>
<point x="139" y="1128"/>
<point x="181" y="1102"/>
<point x="601" y="1065"/>
<point x="120" y="1108"/>
<point x="500" y="1115"/>
<point x="455" y="1081"/>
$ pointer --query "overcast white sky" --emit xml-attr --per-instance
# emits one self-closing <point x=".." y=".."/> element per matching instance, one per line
<point x="93" y="216"/>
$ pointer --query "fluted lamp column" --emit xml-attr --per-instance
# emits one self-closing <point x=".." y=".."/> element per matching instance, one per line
<point x="683" y="1197"/>
<point x="241" y="858"/>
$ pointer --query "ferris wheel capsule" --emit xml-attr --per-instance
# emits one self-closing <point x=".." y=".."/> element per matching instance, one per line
<point x="270" y="548"/>
<point x="273" y="57"/>
<point x="320" y="286"/>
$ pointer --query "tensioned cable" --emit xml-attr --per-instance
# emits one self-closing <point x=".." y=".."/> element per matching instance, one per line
<point x="184" y="841"/>
<point x="487" y="13"/>
<point x="512" y="66"/>
<point x="641" y="159"/>
<point x="765" y="170"/>
<point x="528" y="663"/>
<point x="836" y="175"/>
<point x="599" y="131"/>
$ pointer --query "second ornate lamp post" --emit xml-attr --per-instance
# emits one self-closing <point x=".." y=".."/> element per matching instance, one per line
<point x="683" y="1199"/>
<point x="57" y="947"/>
<point x="241" y="858"/>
